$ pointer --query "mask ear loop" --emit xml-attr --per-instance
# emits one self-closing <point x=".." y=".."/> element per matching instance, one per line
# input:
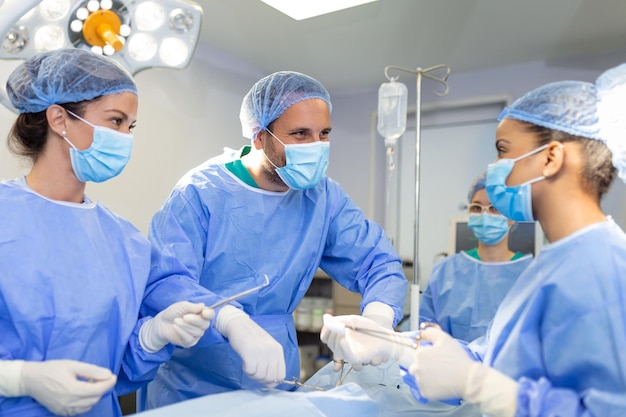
<point x="63" y="135"/>
<point x="534" y="151"/>
<point x="266" y="157"/>
<point x="527" y="154"/>
<point x="79" y="118"/>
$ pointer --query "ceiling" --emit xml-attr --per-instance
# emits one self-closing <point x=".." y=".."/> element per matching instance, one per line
<point x="349" y="49"/>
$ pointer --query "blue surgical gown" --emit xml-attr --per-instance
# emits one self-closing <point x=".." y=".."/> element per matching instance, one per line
<point x="228" y="234"/>
<point x="463" y="293"/>
<point x="72" y="281"/>
<point x="561" y="330"/>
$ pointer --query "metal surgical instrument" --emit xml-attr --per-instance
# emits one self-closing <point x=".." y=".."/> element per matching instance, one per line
<point x="295" y="381"/>
<point x="342" y="376"/>
<point x="241" y="294"/>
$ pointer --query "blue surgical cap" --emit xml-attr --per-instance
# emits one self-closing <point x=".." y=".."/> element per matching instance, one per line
<point x="566" y="106"/>
<point x="65" y="76"/>
<point x="478" y="184"/>
<point x="272" y="95"/>
<point x="594" y="111"/>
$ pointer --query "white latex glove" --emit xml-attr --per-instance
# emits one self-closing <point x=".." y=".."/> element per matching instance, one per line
<point x="181" y="324"/>
<point x="360" y="341"/>
<point x="441" y="370"/>
<point x="262" y="356"/>
<point x="65" y="387"/>
<point x="445" y="370"/>
<point x="377" y="312"/>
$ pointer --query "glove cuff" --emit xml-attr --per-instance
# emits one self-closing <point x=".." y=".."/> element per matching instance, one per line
<point x="148" y="338"/>
<point x="494" y="393"/>
<point x="224" y="317"/>
<point x="11" y="384"/>
<point x="379" y="313"/>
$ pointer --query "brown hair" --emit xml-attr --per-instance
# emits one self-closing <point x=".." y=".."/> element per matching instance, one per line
<point x="28" y="135"/>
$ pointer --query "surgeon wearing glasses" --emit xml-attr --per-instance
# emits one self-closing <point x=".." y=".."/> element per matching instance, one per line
<point x="465" y="289"/>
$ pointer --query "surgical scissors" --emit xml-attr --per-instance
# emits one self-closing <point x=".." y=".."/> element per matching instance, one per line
<point x="242" y="294"/>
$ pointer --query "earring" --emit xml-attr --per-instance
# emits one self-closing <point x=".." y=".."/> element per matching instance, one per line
<point x="546" y="173"/>
<point x="63" y="132"/>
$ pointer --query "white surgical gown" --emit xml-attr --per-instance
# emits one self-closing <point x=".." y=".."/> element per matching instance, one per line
<point x="228" y="234"/>
<point x="561" y="330"/>
<point x="463" y="293"/>
<point x="72" y="281"/>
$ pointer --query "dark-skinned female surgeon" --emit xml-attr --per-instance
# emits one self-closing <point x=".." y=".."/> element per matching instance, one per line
<point x="556" y="344"/>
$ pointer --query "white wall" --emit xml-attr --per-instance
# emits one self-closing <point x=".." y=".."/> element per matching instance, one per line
<point x="188" y="116"/>
<point x="184" y="118"/>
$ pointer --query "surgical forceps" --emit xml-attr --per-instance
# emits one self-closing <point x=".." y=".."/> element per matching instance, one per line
<point x="405" y="341"/>
<point x="241" y="294"/>
<point x="381" y="335"/>
<point x="295" y="382"/>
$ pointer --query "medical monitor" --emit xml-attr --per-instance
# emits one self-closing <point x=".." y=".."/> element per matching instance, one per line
<point x="525" y="237"/>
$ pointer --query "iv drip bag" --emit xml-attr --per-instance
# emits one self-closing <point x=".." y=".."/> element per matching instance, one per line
<point x="392" y="99"/>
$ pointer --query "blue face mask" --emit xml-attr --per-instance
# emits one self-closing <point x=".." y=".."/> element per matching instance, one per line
<point x="306" y="164"/>
<point x="513" y="202"/>
<point x="105" y="158"/>
<point x="488" y="228"/>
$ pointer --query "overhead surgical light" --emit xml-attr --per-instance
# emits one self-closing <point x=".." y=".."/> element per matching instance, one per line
<point x="138" y="34"/>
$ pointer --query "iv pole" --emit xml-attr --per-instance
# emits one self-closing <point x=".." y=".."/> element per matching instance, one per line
<point x="425" y="73"/>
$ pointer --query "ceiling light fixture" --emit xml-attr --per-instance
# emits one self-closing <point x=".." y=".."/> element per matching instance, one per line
<point x="304" y="9"/>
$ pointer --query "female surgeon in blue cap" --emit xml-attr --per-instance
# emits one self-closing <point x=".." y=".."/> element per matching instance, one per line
<point x="465" y="289"/>
<point x="73" y="272"/>
<point x="556" y="344"/>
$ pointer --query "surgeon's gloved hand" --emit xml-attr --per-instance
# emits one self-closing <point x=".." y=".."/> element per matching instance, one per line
<point x="65" y="387"/>
<point x="181" y="324"/>
<point x="445" y="370"/>
<point x="375" y="313"/>
<point x="360" y="341"/>
<point x="441" y="370"/>
<point x="262" y="356"/>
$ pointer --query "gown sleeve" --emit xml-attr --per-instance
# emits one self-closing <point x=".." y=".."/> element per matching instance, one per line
<point x="359" y="255"/>
<point x="178" y="236"/>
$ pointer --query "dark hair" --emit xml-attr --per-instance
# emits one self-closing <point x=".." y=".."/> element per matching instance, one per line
<point x="598" y="171"/>
<point x="28" y="135"/>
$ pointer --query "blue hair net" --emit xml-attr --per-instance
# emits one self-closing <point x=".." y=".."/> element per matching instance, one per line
<point x="272" y="95"/>
<point x="478" y="184"/>
<point x="611" y="104"/>
<point x="566" y="106"/>
<point x="65" y="76"/>
<point x="594" y="111"/>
